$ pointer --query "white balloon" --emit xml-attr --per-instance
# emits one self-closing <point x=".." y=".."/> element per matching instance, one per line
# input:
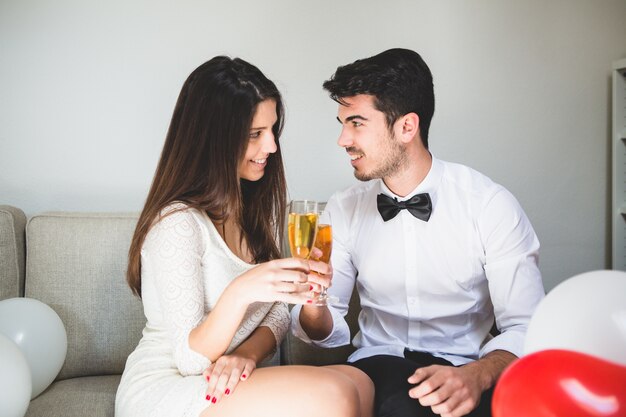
<point x="39" y="333"/>
<point x="586" y="313"/>
<point x="15" y="382"/>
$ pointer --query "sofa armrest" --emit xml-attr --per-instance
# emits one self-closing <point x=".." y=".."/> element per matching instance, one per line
<point x="12" y="252"/>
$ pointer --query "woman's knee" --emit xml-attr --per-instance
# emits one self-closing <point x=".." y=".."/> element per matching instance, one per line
<point x="340" y="394"/>
<point x="363" y="385"/>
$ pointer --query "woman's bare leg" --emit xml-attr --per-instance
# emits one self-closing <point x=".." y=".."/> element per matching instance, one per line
<point x="304" y="391"/>
<point x="363" y="384"/>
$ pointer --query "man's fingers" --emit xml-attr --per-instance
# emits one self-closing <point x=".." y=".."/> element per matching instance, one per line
<point x="448" y="406"/>
<point x="320" y="267"/>
<point x="437" y="397"/>
<point x="419" y="375"/>
<point x="464" y="408"/>
<point x="320" y="280"/>
<point x="430" y="378"/>
<point x="316" y="253"/>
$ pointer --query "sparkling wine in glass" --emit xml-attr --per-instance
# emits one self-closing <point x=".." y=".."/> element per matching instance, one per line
<point x="324" y="242"/>
<point x="302" y="227"/>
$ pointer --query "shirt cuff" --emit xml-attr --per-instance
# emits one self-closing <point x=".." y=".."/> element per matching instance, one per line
<point x="511" y="340"/>
<point x="339" y="335"/>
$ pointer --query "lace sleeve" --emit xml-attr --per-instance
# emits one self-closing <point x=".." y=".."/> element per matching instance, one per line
<point x="174" y="249"/>
<point x="277" y="320"/>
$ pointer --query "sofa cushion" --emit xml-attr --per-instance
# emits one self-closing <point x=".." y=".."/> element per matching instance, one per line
<point x="77" y="397"/>
<point x="76" y="264"/>
<point x="12" y="252"/>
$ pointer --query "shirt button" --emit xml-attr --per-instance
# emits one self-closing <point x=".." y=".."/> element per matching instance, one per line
<point x="412" y="300"/>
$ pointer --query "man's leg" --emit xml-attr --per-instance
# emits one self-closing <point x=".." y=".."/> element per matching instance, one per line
<point x="389" y="374"/>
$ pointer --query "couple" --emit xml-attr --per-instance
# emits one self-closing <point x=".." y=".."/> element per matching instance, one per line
<point x="436" y="250"/>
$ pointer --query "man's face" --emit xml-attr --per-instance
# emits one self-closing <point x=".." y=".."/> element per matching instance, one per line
<point x="374" y="150"/>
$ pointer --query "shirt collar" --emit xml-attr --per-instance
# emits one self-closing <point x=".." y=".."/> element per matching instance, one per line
<point x="428" y="185"/>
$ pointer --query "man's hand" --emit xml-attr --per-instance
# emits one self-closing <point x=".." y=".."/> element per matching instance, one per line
<point x="455" y="391"/>
<point x="448" y="391"/>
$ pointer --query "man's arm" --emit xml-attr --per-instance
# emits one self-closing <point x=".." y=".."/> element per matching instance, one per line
<point x="317" y="322"/>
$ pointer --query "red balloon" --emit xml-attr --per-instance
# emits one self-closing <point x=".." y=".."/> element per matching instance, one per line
<point x="561" y="383"/>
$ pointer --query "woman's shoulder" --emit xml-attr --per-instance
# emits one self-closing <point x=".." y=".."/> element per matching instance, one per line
<point x="178" y="211"/>
<point x="178" y="218"/>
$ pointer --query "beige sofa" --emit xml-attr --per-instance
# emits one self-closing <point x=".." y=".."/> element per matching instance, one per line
<point x="75" y="263"/>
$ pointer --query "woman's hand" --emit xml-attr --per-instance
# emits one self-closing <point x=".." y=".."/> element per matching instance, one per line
<point x="278" y="280"/>
<point x="224" y="374"/>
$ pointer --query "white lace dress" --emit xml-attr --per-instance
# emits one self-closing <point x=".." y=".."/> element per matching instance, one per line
<point x="185" y="267"/>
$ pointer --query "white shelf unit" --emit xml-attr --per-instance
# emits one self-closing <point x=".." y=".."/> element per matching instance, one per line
<point x="619" y="165"/>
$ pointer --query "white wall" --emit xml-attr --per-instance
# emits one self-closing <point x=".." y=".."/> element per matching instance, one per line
<point x="522" y="91"/>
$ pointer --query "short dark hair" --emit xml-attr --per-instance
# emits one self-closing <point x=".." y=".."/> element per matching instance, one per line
<point x="399" y="80"/>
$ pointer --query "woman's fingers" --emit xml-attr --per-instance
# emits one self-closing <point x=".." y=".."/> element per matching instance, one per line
<point x="216" y="370"/>
<point x="220" y="378"/>
<point x="225" y="375"/>
<point x="220" y="387"/>
<point x="291" y="263"/>
<point x="293" y="287"/>
<point x="237" y="375"/>
<point x="247" y="370"/>
<point x="297" y="298"/>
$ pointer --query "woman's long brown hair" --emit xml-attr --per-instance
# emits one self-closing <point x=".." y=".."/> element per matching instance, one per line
<point x="206" y="141"/>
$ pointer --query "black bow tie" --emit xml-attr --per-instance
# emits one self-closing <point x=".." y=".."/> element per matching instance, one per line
<point x="419" y="206"/>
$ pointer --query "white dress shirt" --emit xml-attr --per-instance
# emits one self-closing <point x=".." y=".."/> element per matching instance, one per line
<point x="433" y="286"/>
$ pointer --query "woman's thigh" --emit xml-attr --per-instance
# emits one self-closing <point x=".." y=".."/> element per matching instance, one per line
<point x="290" y="390"/>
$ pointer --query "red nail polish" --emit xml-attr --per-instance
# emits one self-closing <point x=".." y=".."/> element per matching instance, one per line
<point x="214" y="400"/>
<point x="227" y="391"/>
<point x="208" y="377"/>
<point x="309" y="301"/>
<point x="208" y="398"/>
<point x="310" y="288"/>
<point x="243" y="376"/>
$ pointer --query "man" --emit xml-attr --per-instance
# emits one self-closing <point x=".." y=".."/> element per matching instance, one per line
<point x="436" y="250"/>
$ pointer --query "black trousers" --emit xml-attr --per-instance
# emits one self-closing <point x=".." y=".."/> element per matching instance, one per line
<point x="390" y="373"/>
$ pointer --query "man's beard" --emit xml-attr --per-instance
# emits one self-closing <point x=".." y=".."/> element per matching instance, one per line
<point x="393" y="161"/>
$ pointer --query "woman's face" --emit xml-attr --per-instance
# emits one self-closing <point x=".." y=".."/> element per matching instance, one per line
<point x="261" y="143"/>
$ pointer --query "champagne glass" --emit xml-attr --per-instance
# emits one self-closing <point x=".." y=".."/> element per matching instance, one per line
<point x="324" y="242"/>
<point x="302" y="227"/>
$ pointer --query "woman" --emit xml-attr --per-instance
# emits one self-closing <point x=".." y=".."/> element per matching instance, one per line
<point x="205" y="262"/>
